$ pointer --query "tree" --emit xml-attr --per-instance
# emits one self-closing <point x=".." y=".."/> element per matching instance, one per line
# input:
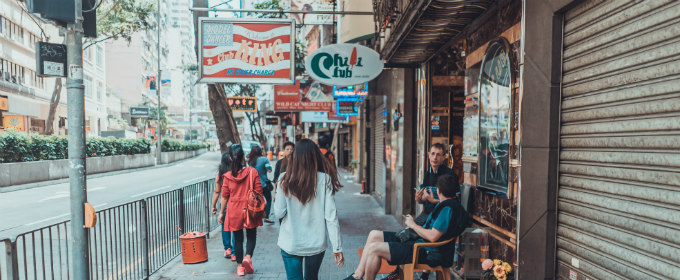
<point x="115" y="19"/>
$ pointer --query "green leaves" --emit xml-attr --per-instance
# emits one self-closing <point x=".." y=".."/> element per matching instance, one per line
<point x="174" y="145"/>
<point x="19" y="147"/>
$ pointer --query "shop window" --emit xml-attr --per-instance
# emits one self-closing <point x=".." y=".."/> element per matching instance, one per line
<point x="494" y="117"/>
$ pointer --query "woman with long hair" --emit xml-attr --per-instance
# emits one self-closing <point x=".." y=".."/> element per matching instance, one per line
<point x="235" y="186"/>
<point x="306" y="204"/>
<point x="225" y="165"/>
<point x="257" y="160"/>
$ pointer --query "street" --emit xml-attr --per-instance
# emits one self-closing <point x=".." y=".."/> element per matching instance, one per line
<point x="25" y="210"/>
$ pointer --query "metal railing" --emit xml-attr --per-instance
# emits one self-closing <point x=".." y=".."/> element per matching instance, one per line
<point x="130" y="241"/>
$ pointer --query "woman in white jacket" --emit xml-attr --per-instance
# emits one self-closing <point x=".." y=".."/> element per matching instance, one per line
<point x="305" y="204"/>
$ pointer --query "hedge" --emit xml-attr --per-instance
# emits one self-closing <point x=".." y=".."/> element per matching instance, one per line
<point x="174" y="145"/>
<point x="19" y="147"/>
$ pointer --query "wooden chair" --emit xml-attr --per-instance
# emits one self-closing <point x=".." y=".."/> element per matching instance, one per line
<point x="442" y="272"/>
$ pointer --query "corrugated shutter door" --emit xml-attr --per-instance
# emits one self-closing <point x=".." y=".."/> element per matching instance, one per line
<point x="379" y="151"/>
<point x="619" y="184"/>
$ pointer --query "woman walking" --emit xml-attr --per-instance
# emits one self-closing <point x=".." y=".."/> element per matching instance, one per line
<point x="306" y="203"/>
<point x="257" y="160"/>
<point x="225" y="164"/>
<point x="235" y="186"/>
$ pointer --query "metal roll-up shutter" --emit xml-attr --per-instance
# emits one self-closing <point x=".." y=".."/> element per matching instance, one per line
<point x="619" y="171"/>
<point x="379" y="151"/>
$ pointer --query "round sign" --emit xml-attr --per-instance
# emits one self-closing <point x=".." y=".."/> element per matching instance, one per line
<point x="343" y="64"/>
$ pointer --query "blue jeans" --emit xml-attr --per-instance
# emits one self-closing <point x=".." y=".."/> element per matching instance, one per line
<point x="227" y="237"/>
<point x="293" y="266"/>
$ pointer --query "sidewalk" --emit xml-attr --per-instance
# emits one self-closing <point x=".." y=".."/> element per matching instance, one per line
<point x="358" y="214"/>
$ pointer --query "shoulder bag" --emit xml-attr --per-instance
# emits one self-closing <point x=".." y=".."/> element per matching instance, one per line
<point x="254" y="211"/>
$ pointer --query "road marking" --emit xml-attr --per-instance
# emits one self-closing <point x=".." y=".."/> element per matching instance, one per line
<point x="95" y="189"/>
<point x="151" y="191"/>
<point x="45" y="220"/>
<point x="60" y="194"/>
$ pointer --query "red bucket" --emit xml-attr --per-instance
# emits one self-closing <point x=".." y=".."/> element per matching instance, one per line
<point x="194" y="249"/>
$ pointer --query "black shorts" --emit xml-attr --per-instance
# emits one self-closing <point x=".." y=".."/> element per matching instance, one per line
<point x="401" y="253"/>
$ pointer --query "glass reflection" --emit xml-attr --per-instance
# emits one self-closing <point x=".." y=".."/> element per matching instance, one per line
<point x="494" y="117"/>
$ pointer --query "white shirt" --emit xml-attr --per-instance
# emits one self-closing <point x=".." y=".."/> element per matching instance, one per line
<point x="304" y="227"/>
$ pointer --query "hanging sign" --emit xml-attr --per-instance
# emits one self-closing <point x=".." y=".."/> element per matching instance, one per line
<point x="256" y="51"/>
<point x="242" y="103"/>
<point x="51" y="59"/>
<point x="271" y="120"/>
<point x="305" y="95"/>
<point x="15" y="122"/>
<point x="139" y="111"/>
<point x="4" y="103"/>
<point x="347" y="107"/>
<point x="343" y="64"/>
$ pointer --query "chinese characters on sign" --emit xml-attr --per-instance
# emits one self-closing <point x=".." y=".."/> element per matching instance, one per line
<point x="247" y="50"/>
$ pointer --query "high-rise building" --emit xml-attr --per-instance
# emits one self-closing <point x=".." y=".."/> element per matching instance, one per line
<point x="25" y="97"/>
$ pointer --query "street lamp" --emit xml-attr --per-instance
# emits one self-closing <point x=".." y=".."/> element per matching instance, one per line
<point x="158" y="82"/>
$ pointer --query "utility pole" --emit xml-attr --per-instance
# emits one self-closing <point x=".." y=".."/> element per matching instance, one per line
<point x="76" y="145"/>
<point x="159" y="132"/>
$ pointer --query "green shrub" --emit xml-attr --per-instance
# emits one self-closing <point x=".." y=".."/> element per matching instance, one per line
<point x="174" y="145"/>
<point x="19" y="147"/>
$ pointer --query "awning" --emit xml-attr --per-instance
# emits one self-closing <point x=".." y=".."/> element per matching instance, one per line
<point x="426" y="26"/>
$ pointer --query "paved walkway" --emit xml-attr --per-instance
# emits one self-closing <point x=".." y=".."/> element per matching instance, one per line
<point x="358" y="215"/>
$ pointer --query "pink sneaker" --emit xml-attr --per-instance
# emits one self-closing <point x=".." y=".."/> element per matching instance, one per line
<point x="248" y="265"/>
<point x="233" y="257"/>
<point x="227" y="253"/>
<point x="240" y="271"/>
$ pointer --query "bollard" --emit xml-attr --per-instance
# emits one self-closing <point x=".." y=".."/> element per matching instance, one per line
<point x="270" y="155"/>
<point x="363" y="186"/>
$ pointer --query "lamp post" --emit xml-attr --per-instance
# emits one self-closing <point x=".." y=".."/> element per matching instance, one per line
<point x="158" y="82"/>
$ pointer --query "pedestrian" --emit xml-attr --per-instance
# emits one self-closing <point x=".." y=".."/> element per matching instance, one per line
<point x="281" y="164"/>
<point x="235" y="186"/>
<point x="224" y="166"/>
<point x="325" y="142"/>
<point x="306" y="208"/>
<point x="257" y="160"/>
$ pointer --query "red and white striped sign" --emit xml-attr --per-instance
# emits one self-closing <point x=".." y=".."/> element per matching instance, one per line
<point x="247" y="51"/>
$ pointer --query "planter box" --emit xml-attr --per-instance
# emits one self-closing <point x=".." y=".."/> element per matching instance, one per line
<point x="37" y="171"/>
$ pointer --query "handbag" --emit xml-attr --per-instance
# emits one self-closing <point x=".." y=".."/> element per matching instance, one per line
<point x="254" y="211"/>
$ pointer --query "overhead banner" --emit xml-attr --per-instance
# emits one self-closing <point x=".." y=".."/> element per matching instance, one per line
<point x="344" y="64"/>
<point x="242" y="103"/>
<point x="255" y="51"/>
<point x="305" y="95"/>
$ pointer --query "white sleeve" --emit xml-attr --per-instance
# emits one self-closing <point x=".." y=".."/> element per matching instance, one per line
<point x="332" y="223"/>
<point x="280" y="204"/>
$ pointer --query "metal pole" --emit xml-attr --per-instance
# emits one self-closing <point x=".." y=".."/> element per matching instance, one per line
<point x="76" y="145"/>
<point x="191" y="120"/>
<point x="159" y="132"/>
<point x="356" y="13"/>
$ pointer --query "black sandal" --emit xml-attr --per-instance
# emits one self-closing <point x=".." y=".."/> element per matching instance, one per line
<point x="351" y="277"/>
<point x="394" y="275"/>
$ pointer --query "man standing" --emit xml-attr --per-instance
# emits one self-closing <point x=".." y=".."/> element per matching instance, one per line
<point x="280" y="167"/>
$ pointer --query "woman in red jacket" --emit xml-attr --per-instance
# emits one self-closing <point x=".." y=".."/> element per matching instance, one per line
<point x="235" y="186"/>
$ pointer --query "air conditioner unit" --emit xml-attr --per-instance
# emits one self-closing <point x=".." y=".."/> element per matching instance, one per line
<point x="14" y="79"/>
<point x="20" y="80"/>
<point x="6" y="76"/>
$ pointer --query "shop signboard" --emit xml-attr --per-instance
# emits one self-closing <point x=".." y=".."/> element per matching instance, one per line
<point x="50" y="59"/>
<point x="344" y="64"/>
<point x="319" y="117"/>
<point x="139" y="111"/>
<point x="272" y="120"/>
<point x="312" y="5"/>
<point x="242" y="103"/>
<point x="347" y="107"/>
<point x="305" y="95"/>
<point x="14" y="122"/>
<point x="357" y="91"/>
<point x="257" y="51"/>
<point x="4" y="103"/>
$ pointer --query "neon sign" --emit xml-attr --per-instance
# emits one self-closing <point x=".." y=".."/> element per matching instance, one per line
<point x="351" y="91"/>
<point x="347" y="107"/>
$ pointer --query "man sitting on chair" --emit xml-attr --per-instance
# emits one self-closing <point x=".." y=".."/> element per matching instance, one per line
<point x="446" y="221"/>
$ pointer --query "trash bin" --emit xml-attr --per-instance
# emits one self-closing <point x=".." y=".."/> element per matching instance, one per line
<point x="194" y="249"/>
<point x="270" y="155"/>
